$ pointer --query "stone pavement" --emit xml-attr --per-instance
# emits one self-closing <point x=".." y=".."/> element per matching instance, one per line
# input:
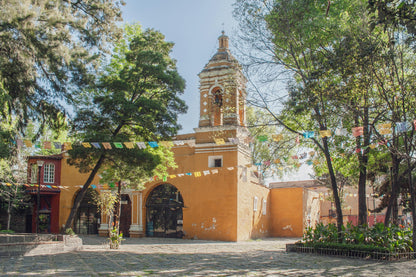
<point x="177" y="257"/>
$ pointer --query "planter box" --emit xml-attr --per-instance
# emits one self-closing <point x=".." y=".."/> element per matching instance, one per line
<point x="349" y="253"/>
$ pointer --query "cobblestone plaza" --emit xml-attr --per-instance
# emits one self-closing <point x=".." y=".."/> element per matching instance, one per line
<point x="178" y="257"/>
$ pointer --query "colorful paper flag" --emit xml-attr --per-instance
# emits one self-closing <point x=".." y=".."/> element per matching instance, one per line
<point x="129" y="145"/>
<point x="219" y="141"/>
<point x="357" y="131"/>
<point x="141" y="145"/>
<point x="308" y="134"/>
<point x="107" y="145"/>
<point x="341" y="132"/>
<point x="96" y="145"/>
<point x="384" y="129"/>
<point x="197" y="174"/>
<point x="206" y="172"/>
<point x="47" y="145"/>
<point x="166" y="144"/>
<point x="67" y="146"/>
<point x="325" y="133"/>
<point x="118" y="144"/>
<point x="178" y="142"/>
<point x="234" y="140"/>
<point x="402" y="127"/>
<point x="153" y="144"/>
<point x="57" y="145"/>
<point x="86" y="144"/>
<point x="262" y="138"/>
<point x="28" y="143"/>
<point x="277" y="138"/>
<point x="191" y="143"/>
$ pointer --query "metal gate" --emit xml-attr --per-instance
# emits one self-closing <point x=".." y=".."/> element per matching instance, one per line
<point x="164" y="217"/>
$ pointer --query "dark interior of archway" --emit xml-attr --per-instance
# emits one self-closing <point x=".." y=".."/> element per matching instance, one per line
<point x="86" y="221"/>
<point x="164" y="217"/>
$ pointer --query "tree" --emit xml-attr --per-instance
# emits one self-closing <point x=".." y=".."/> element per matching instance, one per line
<point x="13" y="195"/>
<point x="269" y="151"/>
<point x="129" y="175"/>
<point x="49" y="50"/>
<point x="295" y="37"/>
<point x="137" y="99"/>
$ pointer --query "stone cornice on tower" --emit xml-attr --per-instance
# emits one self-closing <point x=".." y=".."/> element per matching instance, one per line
<point x="223" y="58"/>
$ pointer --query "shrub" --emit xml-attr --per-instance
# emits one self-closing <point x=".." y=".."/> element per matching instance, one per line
<point x="70" y="232"/>
<point x="379" y="237"/>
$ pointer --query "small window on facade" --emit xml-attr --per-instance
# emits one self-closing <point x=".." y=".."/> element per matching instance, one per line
<point x="34" y="174"/>
<point x="264" y="207"/>
<point x="255" y="200"/>
<point x="215" y="161"/>
<point x="49" y="173"/>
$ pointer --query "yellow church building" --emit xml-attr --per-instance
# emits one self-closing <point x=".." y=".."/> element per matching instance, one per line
<point x="215" y="192"/>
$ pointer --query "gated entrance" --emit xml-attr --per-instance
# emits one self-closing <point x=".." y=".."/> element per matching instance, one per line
<point x="86" y="221"/>
<point x="164" y="216"/>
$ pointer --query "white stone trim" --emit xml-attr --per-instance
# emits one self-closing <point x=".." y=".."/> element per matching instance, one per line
<point x="136" y="228"/>
<point x="103" y="226"/>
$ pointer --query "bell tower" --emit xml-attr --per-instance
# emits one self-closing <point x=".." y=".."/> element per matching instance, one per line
<point x="222" y="89"/>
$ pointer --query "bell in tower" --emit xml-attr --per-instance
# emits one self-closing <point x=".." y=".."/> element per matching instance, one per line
<point x="222" y="89"/>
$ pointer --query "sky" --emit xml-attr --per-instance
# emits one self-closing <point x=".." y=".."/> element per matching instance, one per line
<point x="194" y="26"/>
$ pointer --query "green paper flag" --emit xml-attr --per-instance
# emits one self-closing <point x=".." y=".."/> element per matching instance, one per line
<point x="262" y="138"/>
<point x="118" y="144"/>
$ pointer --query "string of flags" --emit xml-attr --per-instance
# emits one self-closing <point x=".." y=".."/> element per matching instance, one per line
<point x="33" y="185"/>
<point x="383" y="129"/>
<point x="195" y="174"/>
<point x="115" y="184"/>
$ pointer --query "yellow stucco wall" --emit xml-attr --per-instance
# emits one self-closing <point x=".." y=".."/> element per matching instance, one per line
<point x="253" y="219"/>
<point x="287" y="207"/>
<point x="71" y="179"/>
<point x="210" y="201"/>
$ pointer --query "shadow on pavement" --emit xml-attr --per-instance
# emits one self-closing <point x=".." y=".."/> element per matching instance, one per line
<point x="87" y="263"/>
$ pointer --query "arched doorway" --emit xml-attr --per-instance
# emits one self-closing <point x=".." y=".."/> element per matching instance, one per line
<point x="86" y="221"/>
<point x="164" y="217"/>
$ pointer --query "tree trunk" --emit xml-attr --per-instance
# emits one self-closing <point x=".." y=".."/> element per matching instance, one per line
<point x="363" y="160"/>
<point x="9" y="213"/>
<point x="394" y="190"/>
<point x="412" y="203"/>
<point x="70" y="221"/>
<point x="118" y="209"/>
<point x="334" y="187"/>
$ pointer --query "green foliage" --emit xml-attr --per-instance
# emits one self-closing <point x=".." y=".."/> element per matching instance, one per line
<point x="105" y="202"/>
<point x="379" y="237"/>
<point x="69" y="232"/>
<point x="261" y="123"/>
<point x="115" y="239"/>
<point x="50" y="50"/>
<point x="7" y="232"/>
<point x="136" y="100"/>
